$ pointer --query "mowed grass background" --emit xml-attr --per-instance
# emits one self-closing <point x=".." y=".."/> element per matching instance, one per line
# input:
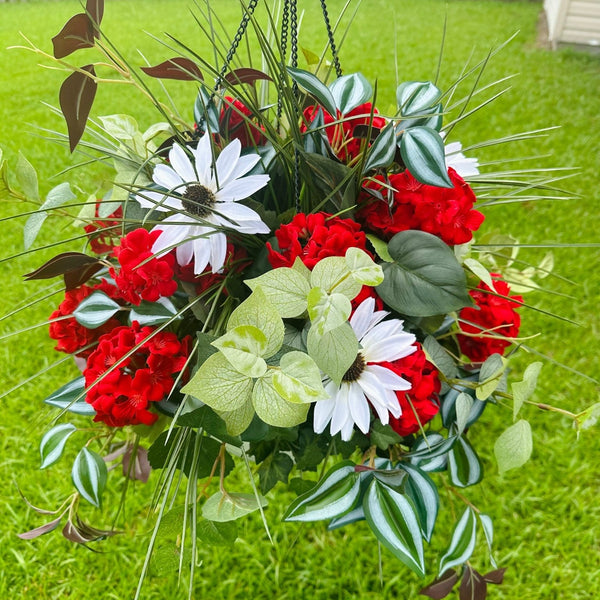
<point x="546" y="514"/>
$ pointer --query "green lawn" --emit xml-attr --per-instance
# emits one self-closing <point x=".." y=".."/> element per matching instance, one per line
<point x="546" y="514"/>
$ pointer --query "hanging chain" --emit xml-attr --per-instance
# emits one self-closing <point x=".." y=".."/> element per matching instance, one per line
<point x="294" y="61"/>
<point x="336" y="60"/>
<point x="285" y="23"/>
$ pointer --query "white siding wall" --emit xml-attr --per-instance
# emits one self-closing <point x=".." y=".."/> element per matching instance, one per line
<point x="573" y="21"/>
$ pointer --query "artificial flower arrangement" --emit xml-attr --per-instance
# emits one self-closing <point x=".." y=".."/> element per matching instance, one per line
<point x="288" y="284"/>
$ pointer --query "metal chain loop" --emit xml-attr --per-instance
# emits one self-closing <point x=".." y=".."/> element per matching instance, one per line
<point x="285" y="24"/>
<point x="336" y="60"/>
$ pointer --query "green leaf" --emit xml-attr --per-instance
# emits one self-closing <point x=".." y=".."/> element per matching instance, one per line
<point x="243" y="347"/>
<point x="382" y="150"/>
<point x="334" y="351"/>
<point x="327" y="311"/>
<point x="58" y="196"/>
<point x="285" y="288"/>
<point x="463" y="407"/>
<point x="381" y="248"/>
<point x="214" y="533"/>
<point x="416" y="97"/>
<point x="422" y="151"/>
<point x="364" y="270"/>
<point x="587" y="418"/>
<point x="439" y="356"/>
<point x="383" y="436"/>
<point x="222" y="507"/>
<point x="522" y="390"/>
<point x="70" y="397"/>
<point x="27" y="178"/>
<point x="272" y="408"/>
<point x="333" y="275"/>
<point x="219" y="385"/>
<point x="95" y="310"/>
<point x="350" y="91"/>
<point x="425" y="278"/>
<point x="464" y="466"/>
<point x="299" y="379"/>
<point x="335" y="494"/>
<point x="152" y="313"/>
<point x="121" y="127"/>
<point x="419" y="487"/>
<point x="488" y="532"/>
<point x="205" y="110"/>
<point x="276" y="467"/>
<point x="53" y="443"/>
<point x="392" y="518"/>
<point x="490" y="376"/>
<point x="32" y="228"/>
<point x="238" y="420"/>
<point x="462" y="543"/>
<point x="89" y="475"/>
<point x="513" y="447"/>
<point x="315" y="88"/>
<point x="206" y="418"/>
<point x="480" y="271"/>
<point x="257" y="311"/>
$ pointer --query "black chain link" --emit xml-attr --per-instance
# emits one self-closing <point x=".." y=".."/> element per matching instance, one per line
<point x="336" y="60"/>
<point x="285" y="24"/>
<point x="294" y="61"/>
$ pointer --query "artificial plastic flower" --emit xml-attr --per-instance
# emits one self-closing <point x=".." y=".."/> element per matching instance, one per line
<point x="368" y="381"/>
<point x="143" y="276"/>
<point x="72" y="337"/>
<point x="445" y="212"/>
<point x="313" y="237"/>
<point x="204" y="196"/>
<point x="125" y="395"/>
<point x="492" y="324"/>
<point x="103" y="233"/>
<point x="237" y="121"/>
<point x="455" y="159"/>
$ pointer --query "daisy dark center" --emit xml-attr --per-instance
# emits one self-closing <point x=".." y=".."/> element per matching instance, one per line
<point x="356" y="369"/>
<point x="198" y="200"/>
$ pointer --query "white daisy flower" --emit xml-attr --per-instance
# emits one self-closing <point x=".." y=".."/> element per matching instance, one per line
<point x="465" y="167"/>
<point x="366" y="380"/>
<point x="204" y="197"/>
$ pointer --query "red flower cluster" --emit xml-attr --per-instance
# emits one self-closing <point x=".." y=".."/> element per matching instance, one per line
<point x="235" y="126"/>
<point x="142" y="277"/>
<point x="314" y="237"/>
<point x="422" y="398"/>
<point x="495" y="317"/>
<point x="236" y="259"/>
<point x="103" y="234"/>
<point x="68" y="333"/>
<point x="445" y="212"/>
<point x="342" y="139"/>
<point x="124" y="396"/>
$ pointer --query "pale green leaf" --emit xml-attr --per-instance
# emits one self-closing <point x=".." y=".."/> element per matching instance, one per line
<point x="587" y="418"/>
<point x="32" y="228"/>
<point x="299" y="379"/>
<point x="364" y="270"/>
<point x="121" y="127"/>
<point x="238" y="420"/>
<point x="381" y="248"/>
<point x="480" y="271"/>
<point x="327" y="311"/>
<point x="243" y="346"/>
<point x="490" y="376"/>
<point x="522" y="390"/>
<point x="463" y="406"/>
<point x="272" y="408"/>
<point x="219" y="385"/>
<point x="224" y="506"/>
<point x="334" y="351"/>
<point x="27" y="178"/>
<point x="257" y="311"/>
<point x="513" y="448"/>
<point x="301" y="268"/>
<point x="285" y="288"/>
<point x="332" y="274"/>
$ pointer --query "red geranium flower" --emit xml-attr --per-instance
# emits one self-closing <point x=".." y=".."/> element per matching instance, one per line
<point x="422" y="398"/>
<point x="445" y="212"/>
<point x="68" y="333"/>
<point x="235" y="126"/>
<point x="342" y="139"/>
<point x="314" y="237"/>
<point x="141" y="276"/>
<point x="103" y="234"/>
<point x="124" y="396"/>
<point x="495" y="319"/>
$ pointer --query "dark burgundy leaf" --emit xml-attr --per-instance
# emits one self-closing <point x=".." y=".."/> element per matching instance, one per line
<point x="473" y="586"/>
<point x="42" y="511"/>
<point x="72" y="533"/>
<point x="41" y="530"/>
<point x="441" y="587"/>
<point x="76" y="277"/>
<point x="362" y="131"/>
<point x="76" y="97"/>
<point x="77" y="33"/>
<point x="496" y="576"/>
<point x="180" y="68"/>
<point x="141" y="468"/>
<point x="95" y="9"/>
<point x="246" y="75"/>
<point x="92" y="532"/>
<point x="61" y="264"/>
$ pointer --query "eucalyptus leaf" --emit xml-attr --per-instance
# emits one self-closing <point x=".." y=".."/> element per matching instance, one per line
<point x="490" y="376"/>
<point x="522" y="390"/>
<point x="514" y="446"/>
<point x="425" y="278"/>
<point x="439" y="356"/>
<point x="27" y="178"/>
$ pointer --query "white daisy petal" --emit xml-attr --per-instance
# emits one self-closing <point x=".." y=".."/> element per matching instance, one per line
<point x="323" y="413"/>
<point x="158" y="201"/>
<point x="242" y="188"/>
<point x="347" y="429"/>
<point x="218" y="251"/>
<point x="227" y="161"/>
<point x="361" y="318"/>
<point x="244" y="165"/>
<point x="390" y="349"/>
<point x="387" y="378"/>
<point x="170" y="236"/>
<point x="359" y="408"/>
<point x="185" y="253"/>
<point x="181" y="163"/>
<point x="167" y="178"/>
<point x="252" y="227"/>
<point x="236" y="212"/>
<point x="341" y="409"/>
<point x="204" y="160"/>
<point x="201" y="254"/>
